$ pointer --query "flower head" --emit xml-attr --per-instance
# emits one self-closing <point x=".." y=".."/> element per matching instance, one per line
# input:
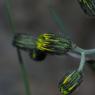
<point x="70" y="82"/>
<point x="52" y="43"/>
<point x="88" y="6"/>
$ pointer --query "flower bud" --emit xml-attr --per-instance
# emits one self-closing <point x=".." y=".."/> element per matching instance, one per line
<point x="24" y="41"/>
<point x="70" y="82"/>
<point x="88" y="6"/>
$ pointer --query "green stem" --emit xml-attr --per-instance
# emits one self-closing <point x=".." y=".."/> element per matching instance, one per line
<point x="80" y="50"/>
<point x="81" y="53"/>
<point x="57" y="19"/>
<point x="13" y="29"/>
<point x="24" y="74"/>
<point x="10" y="17"/>
<point x="82" y="62"/>
<point x="91" y="51"/>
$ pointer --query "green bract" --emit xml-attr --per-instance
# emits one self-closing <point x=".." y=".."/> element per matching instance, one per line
<point x="24" y="41"/>
<point x="70" y="82"/>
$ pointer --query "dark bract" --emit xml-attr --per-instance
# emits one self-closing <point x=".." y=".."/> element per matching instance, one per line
<point x="38" y="55"/>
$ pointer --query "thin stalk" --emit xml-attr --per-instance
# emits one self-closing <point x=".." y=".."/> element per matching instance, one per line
<point x="90" y="51"/>
<point x="78" y="50"/>
<point x="13" y="29"/>
<point x="57" y="19"/>
<point x="82" y="62"/>
<point x="24" y="74"/>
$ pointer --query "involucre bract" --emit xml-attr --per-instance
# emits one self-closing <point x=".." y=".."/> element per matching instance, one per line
<point x="88" y="6"/>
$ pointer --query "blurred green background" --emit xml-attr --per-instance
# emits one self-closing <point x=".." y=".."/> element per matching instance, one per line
<point x="32" y="16"/>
